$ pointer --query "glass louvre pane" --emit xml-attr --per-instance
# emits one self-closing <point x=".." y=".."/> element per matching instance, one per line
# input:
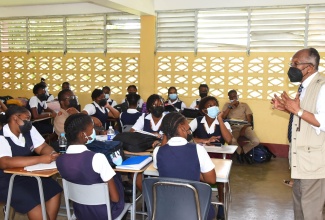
<point x="123" y="32"/>
<point x="85" y="33"/>
<point x="277" y="29"/>
<point x="316" y="27"/>
<point x="222" y="30"/>
<point x="46" y="34"/>
<point x="13" y="35"/>
<point x="176" y="31"/>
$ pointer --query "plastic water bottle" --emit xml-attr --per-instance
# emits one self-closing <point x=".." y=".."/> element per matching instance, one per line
<point x="110" y="133"/>
<point x="62" y="143"/>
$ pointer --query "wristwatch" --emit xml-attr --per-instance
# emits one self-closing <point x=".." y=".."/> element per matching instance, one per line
<point x="300" y="112"/>
<point x="229" y="106"/>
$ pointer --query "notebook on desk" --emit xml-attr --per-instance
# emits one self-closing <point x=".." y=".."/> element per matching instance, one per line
<point x="41" y="166"/>
<point x="135" y="163"/>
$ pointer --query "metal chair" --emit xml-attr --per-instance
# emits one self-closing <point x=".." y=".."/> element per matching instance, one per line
<point x="171" y="198"/>
<point x="95" y="194"/>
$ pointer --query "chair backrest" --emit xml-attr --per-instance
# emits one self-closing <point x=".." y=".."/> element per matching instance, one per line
<point x="171" y="198"/>
<point x="95" y="194"/>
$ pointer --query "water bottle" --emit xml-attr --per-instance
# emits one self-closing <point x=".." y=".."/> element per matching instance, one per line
<point x="110" y="133"/>
<point x="62" y="143"/>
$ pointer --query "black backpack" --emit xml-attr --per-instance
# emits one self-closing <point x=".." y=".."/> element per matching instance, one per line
<point x="135" y="141"/>
<point x="260" y="154"/>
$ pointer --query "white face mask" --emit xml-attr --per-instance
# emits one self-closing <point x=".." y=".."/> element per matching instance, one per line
<point x="234" y="100"/>
<point x="106" y="96"/>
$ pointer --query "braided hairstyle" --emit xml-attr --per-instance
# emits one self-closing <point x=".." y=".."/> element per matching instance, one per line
<point x="170" y="124"/>
<point x="75" y="124"/>
<point x="14" y="109"/>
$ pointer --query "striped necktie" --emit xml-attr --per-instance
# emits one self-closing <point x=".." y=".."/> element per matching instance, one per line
<point x="291" y="118"/>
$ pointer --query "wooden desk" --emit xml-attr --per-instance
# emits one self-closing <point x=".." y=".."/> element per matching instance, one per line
<point x="224" y="149"/>
<point x="222" y="168"/>
<point x="147" y="152"/>
<point x="36" y="174"/>
<point x="41" y="119"/>
<point x="134" y="187"/>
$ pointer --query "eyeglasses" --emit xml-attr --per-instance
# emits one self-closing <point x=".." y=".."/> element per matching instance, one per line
<point x="297" y="64"/>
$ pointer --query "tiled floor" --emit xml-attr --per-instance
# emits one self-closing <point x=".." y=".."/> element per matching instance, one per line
<point x="257" y="192"/>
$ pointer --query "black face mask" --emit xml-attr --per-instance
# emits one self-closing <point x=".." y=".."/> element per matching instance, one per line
<point x="157" y="111"/>
<point x="203" y="94"/>
<point x="295" y="74"/>
<point x="73" y="103"/>
<point x="42" y="97"/>
<point x="102" y="102"/>
<point x="26" y="127"/>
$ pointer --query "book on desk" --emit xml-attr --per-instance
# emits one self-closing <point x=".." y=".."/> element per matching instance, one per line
<point x="41" y="166"/>
<point x="135" y="162"/>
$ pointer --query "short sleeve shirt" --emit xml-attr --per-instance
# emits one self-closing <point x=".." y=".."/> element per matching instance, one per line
<point x="34" y="101"/>
<point x="240" y="112"/>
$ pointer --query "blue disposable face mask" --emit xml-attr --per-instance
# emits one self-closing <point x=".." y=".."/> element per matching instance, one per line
<point x="213" y="111"/>
<point x="92" y="136"/>
<point x="106" y="96"/>
<point x="172" y="96"/>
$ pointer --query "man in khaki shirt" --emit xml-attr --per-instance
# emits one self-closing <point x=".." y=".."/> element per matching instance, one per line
<point x="240" y="111"/>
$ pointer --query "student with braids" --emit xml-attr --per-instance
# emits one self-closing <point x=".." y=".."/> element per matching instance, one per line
<point x="210" y="129"/>
<point x="181" y="159"/>
<point x="20" y="141"/>
<point x="81" y="166"/>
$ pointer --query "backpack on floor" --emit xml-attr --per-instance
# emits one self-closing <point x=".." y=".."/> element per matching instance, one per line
<point x="260" y="154"/>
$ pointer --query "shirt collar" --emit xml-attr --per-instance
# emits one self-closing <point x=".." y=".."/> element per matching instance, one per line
<point x="177" y="141"/>
<point x="76" y="149"/>
<point x="204" y="121"/>
<point x="131" y="110"/>
<point x="96" y="105"/>
<point x="7" y="133"/>
<point x="308" y="80"/>
<point x="149" y="116"/>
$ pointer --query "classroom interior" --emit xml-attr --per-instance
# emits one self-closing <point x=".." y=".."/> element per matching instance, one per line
<point x="257" y="73"/>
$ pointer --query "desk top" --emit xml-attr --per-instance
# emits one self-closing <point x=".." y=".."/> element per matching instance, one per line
<point x="224" y="149"/>
<point x="40" y="173"/>
<point x="41" y="119"/>
<point x="147" y="152"/>
<point x="133" y="171"/>
<point x="222" y="168"/>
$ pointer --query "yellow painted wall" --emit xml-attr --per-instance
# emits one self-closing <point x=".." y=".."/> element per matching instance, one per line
<point x="256" y="77"/>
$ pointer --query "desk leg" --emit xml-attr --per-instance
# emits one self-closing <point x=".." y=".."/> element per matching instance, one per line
<point x="41" y="194"/>
<point x="11" y="184"/>
<point x="134" y="194"/>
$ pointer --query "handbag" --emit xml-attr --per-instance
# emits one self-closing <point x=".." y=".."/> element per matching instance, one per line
<point x="135" y="141"/>
<point x="113" y="150"/>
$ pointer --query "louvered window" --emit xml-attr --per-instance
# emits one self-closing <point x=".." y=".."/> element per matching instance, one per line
<point x="13" y="35"/>
<point x="316" y="27"/>
<point x="123" y="33"/>
<point x="176" y="31"/>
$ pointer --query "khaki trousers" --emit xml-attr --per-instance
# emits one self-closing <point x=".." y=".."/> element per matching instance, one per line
<point x="249" y="134"/>
<point x="308" y="199"/>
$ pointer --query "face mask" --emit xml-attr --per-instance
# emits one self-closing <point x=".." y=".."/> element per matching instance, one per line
<point x="102" y="102"/>
<point x="73" y="103"/>
<point x="26" y="127"/>
<point x="172" y="96"/>
<point x="203" y="94"/>
<point x="132" y="92"/>
<point x="106" y="96"/>
<point x="213" y="111"/>
<point x="157" y="111"/>
<point x="42" y="97"/>
<point x="189" y="136"/>
<point x="116" y="158"/>
<point x="295" y="74"/>
<point x="92" y="136"/>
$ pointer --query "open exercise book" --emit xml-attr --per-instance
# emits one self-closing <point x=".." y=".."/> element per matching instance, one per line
<point x="135" y="162"/>
<point x="41" y="166"/>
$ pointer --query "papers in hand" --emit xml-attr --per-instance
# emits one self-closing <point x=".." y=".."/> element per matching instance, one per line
<point x="135" y="163"/>
<point x="41" y="166"/>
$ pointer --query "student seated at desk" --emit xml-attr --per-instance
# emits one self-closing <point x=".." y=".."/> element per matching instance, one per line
<point x="174" y="100"/>
<point x="38" y="108"/>
<point x="19" y="142"/>
<point x="81" y="166"/>
<point x="100" y="108"/>
<point x="151" y="122"/>
<point x="131" y="116"/>
<point x="181" y="159"/>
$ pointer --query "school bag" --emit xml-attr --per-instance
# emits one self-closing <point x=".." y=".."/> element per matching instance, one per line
<point x="113" y="150"/>
<point x="135" y="141"/>
<point x="260" y="154"/>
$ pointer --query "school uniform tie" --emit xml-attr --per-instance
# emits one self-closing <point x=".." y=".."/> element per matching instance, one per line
<point x="291" y="117"/>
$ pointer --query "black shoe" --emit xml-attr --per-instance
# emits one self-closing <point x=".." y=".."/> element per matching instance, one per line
<point x="240" y="158"/>
<point x="221" y="214"/>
